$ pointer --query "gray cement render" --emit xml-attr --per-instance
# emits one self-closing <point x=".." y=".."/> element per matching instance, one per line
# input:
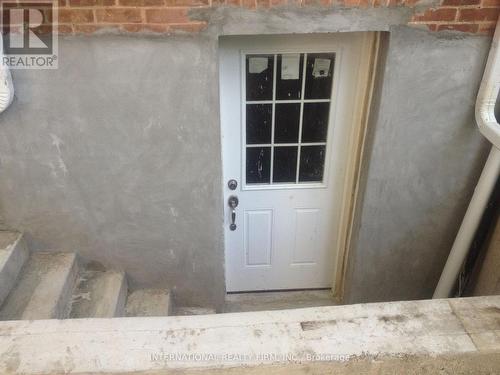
<point x="116" y="155"/>
<point x="425" y="156"/>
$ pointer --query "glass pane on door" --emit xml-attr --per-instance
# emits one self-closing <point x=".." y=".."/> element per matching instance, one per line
<point x="258" y="165"/>
<point x="259" y="122"/>
<point x="315" y="122"/>
<point x="259" y="77"/>
<point x="289" y="76"/>
<point x="285" y="164"/>
<point x="286" y="122"/>
<point x="287" y="114"/>
<point x="319" y="76"/>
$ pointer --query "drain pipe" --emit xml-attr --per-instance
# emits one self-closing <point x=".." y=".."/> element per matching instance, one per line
<point x="6" y="86"/>
<point x="490" y="128"/>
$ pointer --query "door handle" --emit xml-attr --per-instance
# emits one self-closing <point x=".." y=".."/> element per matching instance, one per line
<point x="233" y="203"/>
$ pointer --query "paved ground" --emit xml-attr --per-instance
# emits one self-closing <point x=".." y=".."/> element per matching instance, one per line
<point x="262" y="301"/>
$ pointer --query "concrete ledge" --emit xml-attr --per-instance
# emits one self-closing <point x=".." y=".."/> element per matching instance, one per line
<point x="461" y="336"/>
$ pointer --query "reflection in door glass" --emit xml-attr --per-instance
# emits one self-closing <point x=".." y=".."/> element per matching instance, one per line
<point x="258" y="165"/>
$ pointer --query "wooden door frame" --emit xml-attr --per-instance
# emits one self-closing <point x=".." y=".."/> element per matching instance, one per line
<point x="351" y="194"/>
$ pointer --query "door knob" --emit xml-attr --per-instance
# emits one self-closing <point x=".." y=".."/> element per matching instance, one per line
<point x="233" y="203"/>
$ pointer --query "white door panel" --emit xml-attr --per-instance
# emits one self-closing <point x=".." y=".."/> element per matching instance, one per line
<point x="305" y="250"/>
<point x="258" y="229"/>
<point x="286" y="105"/>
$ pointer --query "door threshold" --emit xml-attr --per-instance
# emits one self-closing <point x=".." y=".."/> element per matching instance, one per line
<point x="278" y="300"/>
<point x="278" y="290"/>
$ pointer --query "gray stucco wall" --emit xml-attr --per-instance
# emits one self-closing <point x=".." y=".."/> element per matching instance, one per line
<point x="425" y="156"/>
<point x="116" y="155"/>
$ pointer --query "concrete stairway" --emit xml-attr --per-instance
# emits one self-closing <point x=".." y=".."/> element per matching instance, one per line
<point x="100" y="293"/>
<point x="51" y="285"/>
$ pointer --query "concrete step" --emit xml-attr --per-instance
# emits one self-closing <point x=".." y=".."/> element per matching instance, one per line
<point x="183" y="310"/>
<point x="149" y="302"/>
<point x="44" y="288"/>
<point x="13" y="255"/>
<point x="100" y="293"/>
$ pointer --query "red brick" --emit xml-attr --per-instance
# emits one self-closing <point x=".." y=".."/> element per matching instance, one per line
<point x="44" y="29"/>
<point x="141" y="3"/>
<point x="351" y="3"/>
<point x="379" y="3"/>
<point x="250" y="4"/>
<point x="169" y="15"/>
<point x="64" y="29"/>
<point x="193" y="27"/>
<point x="119" y="15"/>
<point x="76" y="15"/>
<point x="133" y="27"/>
<point x="61" y="3"/>
<point x="47" y="15"/>
<point x="487" y="28"/>
<point x="91" y="3"/>
<point x="263" y="4"/>
<point x="460" y="2"/>
<point x="87" y="29"/>
<point x="187" y="3"/>
<point x="236" y="3"/>
<point x="395" y="3"/>
<point x="482" y="14"/>
<point x="275" y="3"/>
<point x="156" y="28"/>
<point x="314" y="2"/>
<point x="491" y="3"/>
<point x="465" y="28"/>
<point x="443" y="14"/>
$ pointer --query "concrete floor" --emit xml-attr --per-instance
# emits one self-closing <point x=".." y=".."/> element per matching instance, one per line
<point x="262" y="301"/>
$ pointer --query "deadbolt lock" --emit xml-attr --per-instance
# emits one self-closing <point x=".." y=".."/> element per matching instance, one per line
<point x="232" y="184"/>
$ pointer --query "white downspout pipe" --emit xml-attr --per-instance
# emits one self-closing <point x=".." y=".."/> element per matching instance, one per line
<point x="489" y="127"/>
<point x="6" y="86"/>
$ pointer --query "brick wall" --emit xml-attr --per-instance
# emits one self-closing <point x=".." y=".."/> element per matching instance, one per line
<point x="88" y="16"/>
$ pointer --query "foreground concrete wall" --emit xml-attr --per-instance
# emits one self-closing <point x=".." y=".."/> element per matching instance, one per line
<point x="424" y="159"/>
<point x="116" y="155"/>
<point x="456" y="336"/>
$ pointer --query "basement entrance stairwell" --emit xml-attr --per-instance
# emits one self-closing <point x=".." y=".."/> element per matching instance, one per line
<point x="53" y="285"/>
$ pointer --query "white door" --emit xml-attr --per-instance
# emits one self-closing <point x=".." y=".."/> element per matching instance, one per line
<point x="286" y="107"/>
